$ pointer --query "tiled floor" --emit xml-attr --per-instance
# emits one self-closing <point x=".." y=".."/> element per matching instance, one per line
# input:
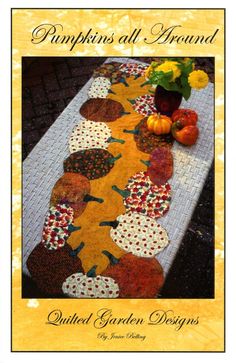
<point x="48" y="86"/>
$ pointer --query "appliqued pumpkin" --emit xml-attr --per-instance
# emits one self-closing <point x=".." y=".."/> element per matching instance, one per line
<point x="99" y="88"/>
<point x="144" y="105"/>
<point x="112" y="72"/>
<point x="91" y="135"/>
<point x="58" y="226"/>
<point x="159" y="124"/>
<point x="146" y="140"/>
<point x="92" y="163"/>
<point x="49" y="268"/>
<point x="137" y="277"/>
<point x="142" y="196"/>
<point x="73" y="189"/>
<point x="160" y="165"/>
<point x="79" y="285"/>
<point x="133" y="69"/>
<point x="102" y="110"/>
<point x="138" y="234"/>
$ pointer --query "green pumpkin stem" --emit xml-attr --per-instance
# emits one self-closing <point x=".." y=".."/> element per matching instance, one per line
<point x="90" y="198"/>
<point x="137" y="76"/>
<point x="146" y="162"/>
<point x="145" y="83"/>
<point x="151" y="91"/>
<point x="114" y="224"/>
<point x="72" y="228"/>
<point x="77" y="250"/>
<point x="134" y="132"/>
<point x="92" y="271"/>
<point x="113" y="260"/>
<point x="125" y="113"/>
<point x="124" y="82"/>
<point x="131" y="101"/>
<point x="176" y="126"/>
<point x="123" y="193"/>
<point x="113" y="160"/>
<point x="112" y="139"/>
<point x="110" y="91"/>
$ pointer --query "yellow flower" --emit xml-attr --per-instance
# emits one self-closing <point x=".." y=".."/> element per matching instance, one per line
<point x="170" y="66"/>
<point x="198" y="79"/>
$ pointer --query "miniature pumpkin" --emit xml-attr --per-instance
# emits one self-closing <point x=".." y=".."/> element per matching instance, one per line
<point x="142" y="196"/>
<point x="185" y="116"/>
<point x="160" y="165"/>
<point x="102" y="110"/>
<point x="137" y="277"/>
<point x="146" y="140"/>
<point x="99" y="88"/>
<point x="91" y="135"/>
<point x="133" y="69"/>
<point x="138" y="234"/>
<point x="92" y="163"/>
<point x="49" y="268"/>
<point x="79" y="285"/>
<point x="73" y="189"/>
<point x="159" y="124"/>
<point x="58" y="226"/>
<point x="112" y="72"/>
<point x="144" y="105"/>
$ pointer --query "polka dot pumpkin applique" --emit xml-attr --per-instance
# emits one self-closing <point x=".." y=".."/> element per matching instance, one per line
<point x="99" y="88"/>
<point x="49" y="268"/>
<point x="92" y="163"/>
<point x="133" y="69"/>
<point x="91" y="135"/>
<point x="79" y="285"/>
<point x="73" y="189"/>
<point x="58" y="226"/>
<point x="138" y="234"/>
<point x="142" y="196"/>
<point x="144" y="105"/>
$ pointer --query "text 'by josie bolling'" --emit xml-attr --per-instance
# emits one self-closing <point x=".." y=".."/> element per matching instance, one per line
<point x="105" y="317"/>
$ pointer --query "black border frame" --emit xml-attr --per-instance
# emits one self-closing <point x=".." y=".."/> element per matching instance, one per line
<point x="22" y="184"/>
<point x="11" y="159"/>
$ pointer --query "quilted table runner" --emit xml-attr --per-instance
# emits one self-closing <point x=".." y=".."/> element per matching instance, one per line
<point x="106" y="221"/>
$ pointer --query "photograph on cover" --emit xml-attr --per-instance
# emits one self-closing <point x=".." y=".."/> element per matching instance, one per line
<point x="118" y="177"/>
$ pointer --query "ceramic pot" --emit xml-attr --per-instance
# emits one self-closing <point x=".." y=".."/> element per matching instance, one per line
<point x="167" y="102"/>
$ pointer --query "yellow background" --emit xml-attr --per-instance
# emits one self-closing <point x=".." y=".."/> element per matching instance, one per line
<point x="30" y="333"/>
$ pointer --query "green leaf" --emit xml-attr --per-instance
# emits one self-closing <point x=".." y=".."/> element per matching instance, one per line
<point x="154" y="64"/>
<point x="170" y="86"/>
<point x="186" y="92"/>
<point x="184" y="81"/>
<point x="188" y="68"/>
<point x="156" y="76"/>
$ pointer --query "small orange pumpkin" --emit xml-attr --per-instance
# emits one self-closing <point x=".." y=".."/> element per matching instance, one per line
<point x="159" y="124"/>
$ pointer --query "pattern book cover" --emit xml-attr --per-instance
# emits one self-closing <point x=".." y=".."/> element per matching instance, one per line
<point x="118" y="180"/>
